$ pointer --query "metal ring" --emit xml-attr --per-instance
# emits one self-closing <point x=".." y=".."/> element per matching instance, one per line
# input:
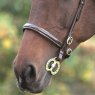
<point x="55" y="65"/>
<point x="69" y="51"/>
<point x="69" y="40"/>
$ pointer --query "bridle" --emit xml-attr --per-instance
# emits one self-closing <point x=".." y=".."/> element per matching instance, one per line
<point x="53" y="65"/>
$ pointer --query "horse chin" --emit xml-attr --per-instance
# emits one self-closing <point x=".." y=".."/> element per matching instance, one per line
<point x="36" y="86"/>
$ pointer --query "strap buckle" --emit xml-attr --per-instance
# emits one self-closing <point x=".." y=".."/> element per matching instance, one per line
<point x="53" y="66"/>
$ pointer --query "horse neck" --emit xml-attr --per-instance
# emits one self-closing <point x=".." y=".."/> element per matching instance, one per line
<point x="85" y="28"/>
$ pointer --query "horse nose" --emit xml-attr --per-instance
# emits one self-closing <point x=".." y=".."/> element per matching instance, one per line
<point x="29" y="74"/>
<point x="26" y="74"/>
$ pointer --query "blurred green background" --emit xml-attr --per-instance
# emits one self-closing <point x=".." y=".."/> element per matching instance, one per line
<point x="77" y="74"/>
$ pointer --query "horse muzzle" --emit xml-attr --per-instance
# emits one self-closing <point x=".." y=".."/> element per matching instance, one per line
<point x="29" y="80"/>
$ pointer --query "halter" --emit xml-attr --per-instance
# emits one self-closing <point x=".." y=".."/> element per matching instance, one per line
<point x="53" y="65"/>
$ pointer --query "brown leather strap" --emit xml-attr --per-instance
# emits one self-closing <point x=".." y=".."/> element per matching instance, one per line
<point x="62" y="52"/>
<point x="44" y="33"/>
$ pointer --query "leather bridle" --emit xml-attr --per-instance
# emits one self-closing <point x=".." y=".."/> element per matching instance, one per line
<point x="64" y="51"/>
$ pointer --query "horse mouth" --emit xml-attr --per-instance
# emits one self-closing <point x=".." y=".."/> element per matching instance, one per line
<point x="34" y="87"/>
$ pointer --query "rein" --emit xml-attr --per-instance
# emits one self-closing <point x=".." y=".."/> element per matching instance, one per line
<point x="53" y="65"/>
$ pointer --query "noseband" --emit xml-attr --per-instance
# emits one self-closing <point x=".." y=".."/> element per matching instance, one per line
<point x="53" y="65"/>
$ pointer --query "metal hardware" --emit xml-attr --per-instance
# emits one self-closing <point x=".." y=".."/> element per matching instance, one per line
<point x="60" y="56"/>
<point x="53" y="66"/>
<point x="69" y="40"/>
<point x="69" y="51"/>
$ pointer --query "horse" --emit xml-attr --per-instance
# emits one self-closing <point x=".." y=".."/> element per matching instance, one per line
<point x="55" y="28"/>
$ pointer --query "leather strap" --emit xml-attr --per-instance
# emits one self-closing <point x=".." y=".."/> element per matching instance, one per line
<point x="63" y="49"/>
<point x="44" y="33"/>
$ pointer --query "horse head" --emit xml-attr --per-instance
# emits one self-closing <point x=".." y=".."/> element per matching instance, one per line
<point x="54" y="29"/>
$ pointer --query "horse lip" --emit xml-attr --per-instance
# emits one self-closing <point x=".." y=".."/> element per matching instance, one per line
<point x="31" y="89"/>
<point x="28" y="87"/>
<point x="34" y="90"/>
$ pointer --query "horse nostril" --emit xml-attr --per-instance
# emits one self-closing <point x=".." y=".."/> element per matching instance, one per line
<point x="30" y="73"/>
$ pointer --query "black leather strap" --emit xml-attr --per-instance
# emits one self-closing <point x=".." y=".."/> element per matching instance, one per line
<point x="44" y="33"/>
<point x="63" y="49"/>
